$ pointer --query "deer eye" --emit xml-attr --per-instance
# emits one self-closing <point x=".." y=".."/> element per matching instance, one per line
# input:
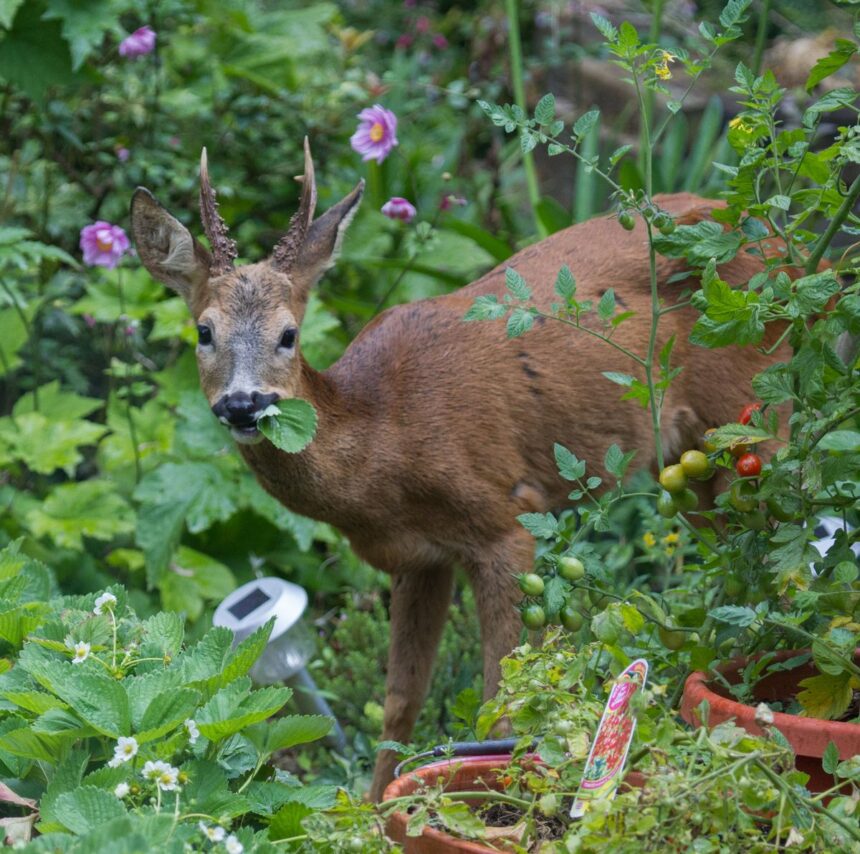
<point x="288" y="339"/>
<point x="204" y="335"/>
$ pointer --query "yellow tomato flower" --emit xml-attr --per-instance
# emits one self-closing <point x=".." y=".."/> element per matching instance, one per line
<point x="649" y="539"/>
<point x="662" y="69"/>
<point x="672" y="537"/>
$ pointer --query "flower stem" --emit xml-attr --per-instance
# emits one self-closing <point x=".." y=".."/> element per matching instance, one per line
<point x="512" y="11"/>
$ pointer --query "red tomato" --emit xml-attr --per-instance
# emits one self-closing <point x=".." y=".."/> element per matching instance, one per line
<point x="749" y="465"/>
<point x="746" y="413"/>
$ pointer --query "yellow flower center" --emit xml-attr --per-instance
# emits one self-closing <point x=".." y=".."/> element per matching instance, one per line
<point x="377" y="131"/>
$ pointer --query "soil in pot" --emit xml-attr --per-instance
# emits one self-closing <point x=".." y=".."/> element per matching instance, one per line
<point x="808" y="737"/>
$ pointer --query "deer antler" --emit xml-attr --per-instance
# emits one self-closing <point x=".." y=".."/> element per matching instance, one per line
<point x="223" y="247"/>
<point x="287" y="250"/>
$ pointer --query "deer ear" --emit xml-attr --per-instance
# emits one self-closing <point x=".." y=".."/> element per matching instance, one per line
<point x="166" y="247"/>
<point x="323" y="242"/>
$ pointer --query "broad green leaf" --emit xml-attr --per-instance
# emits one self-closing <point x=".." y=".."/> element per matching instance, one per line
<point x="699" y="243"/>
<point x="89" y="508"/>
<point x="606" y="306"/>
<point x="554" y="594"/>
<point x="545" y="110"/>
<point x="812" y="293"/>
<point x="87" y="808"/>
<point x="8" y="8"/>
<point x="842" y="53"/>
<point x="287" y="821"/>
<point x="287" y="731"/>
<point x="235" y="707"/>
<point x="519" y="322"/>
<point x="144" y="688"/>
<point x="37" y="702"/>
<point x="830" y="758"/>
<point x="840" y="440"/>
<point x="208" y="792"/>
<point x="56" y="404"/>
<point x="213" y="579"/>
<point x="84" y="24"/>
<point x="243" y="657"/>
<point x="292" y="428"/>
<point x="166" y="712"/>
<point x="44" y="747"/>
<point x="616" y="461"/>
<point x="45" y="445"/>
<point x="585" y="122"/>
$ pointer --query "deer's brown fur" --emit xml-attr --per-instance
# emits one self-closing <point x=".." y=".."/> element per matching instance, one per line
<point x="434" y="434"/>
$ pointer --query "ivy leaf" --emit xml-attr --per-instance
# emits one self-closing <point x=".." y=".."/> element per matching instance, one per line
<point x="292" y="427"/>
<point x="89" y="508"/>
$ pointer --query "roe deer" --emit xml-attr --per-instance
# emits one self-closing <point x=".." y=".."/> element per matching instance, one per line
<point x="434" y="434"/>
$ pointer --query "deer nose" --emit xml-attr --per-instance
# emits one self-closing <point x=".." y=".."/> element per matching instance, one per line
<point x="241" y="409"/>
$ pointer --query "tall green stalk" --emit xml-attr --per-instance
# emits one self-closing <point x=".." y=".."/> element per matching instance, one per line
<point x="512" y="11"/>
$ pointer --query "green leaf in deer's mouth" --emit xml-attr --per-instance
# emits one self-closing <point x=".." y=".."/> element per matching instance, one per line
<point x="289" y="425"/>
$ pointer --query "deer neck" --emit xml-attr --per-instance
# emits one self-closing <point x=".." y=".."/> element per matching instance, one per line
<point x="320" y="481"/>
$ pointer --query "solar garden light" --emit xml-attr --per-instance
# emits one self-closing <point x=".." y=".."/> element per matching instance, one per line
<point x="290" y="644"/>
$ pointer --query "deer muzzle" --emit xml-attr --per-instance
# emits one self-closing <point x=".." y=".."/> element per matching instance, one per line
<point x="239" y="411"/>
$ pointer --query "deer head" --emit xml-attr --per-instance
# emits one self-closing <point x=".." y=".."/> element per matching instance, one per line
<point x="248" y="318"/>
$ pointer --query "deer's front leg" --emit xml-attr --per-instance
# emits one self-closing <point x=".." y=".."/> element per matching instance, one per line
<point x="419" y="607"/>
<point x="493" y="575"/>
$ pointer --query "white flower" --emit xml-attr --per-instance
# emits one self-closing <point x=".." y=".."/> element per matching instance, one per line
<point x="82" y="652"/>
<point x="193" y="732"/>
<point x="763" y="714"/>
<point x="794" y="838"/>
<point x="126" y="749"/>
<point x="233" y="845"/>
<point x="165" y="776"/>
<point x="122" y="789"/>
<point x="214" y="833"/>
<point x="105" y="602"/>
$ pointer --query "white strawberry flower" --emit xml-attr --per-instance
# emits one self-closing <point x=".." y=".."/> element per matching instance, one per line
<point x="122" y="789"/>
<point x="105" y="602"/>
<point x="165" y="776"/>
<point x="214" y="833"/>
<point x="82" y="652"/>
<point x="233" y="845"/>
<point x="125" y="750"/>
<point x="193" y="731"/>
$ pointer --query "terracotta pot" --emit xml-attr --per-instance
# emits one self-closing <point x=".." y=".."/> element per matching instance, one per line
<point x="462" y="774"/>
<point x="808" y="736"/>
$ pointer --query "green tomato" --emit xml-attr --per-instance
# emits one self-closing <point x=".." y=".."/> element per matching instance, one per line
<point x="686" y="501"/>
<point x="733" y="586"/>
<point x="626" y="220"/>
<point x="570" y="618"/>
<point x="571" y="568"/>
<point x="696" y="465"/>
<point x="667" y="226"/>
<point x="673" y="479"/>
<point x="533" y="617"/>
<point x="742" y="496"/>
<point x="531" y="584"/>
<point x="755" y="520"/>
<point x="781" y="509"/>
<point x="672" y="639"/>
<point x="666" y="506"/>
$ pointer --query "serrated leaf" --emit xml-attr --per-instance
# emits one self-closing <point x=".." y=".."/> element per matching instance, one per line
<point x="618" y="378"/>
<point x="606" y="306"/>
<point x="604" y="27"/>
<point x="616" y="461"/>
<point x="585" y="123"/>
<point x="87" y="808"/>
<point x="516" y="285"/>
<point x="166" y="712"/>
<point x="565" y="284"/>
<point x="293" y="428"/>
<point x="545" y="110"/>
<point x="233" y="708"/>
<point x="520" y="321"/>
<point x="840" y="440"/>
<point x="486" y="307"/>
<point x="841" y="54"/>
<point x="825" y="696"/>
<point x="288" y="731"/>
<point x="570" y="467"/>
<point x="539" y="524"/>
<point x="528" y="140"/>
<point x="734" y="615"/>
<point x="830" y="758"/>
<point x="554" y="594"/>
<point x="287" y="821"/>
